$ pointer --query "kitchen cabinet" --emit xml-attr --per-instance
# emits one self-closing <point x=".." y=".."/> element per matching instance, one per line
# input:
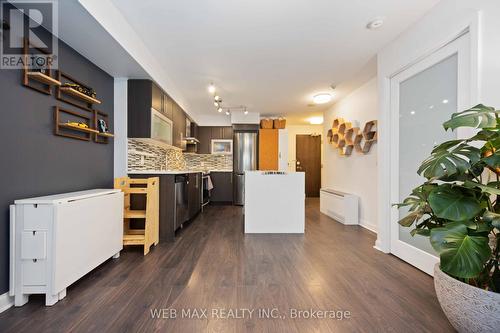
<point x="205" y="137"/>
<point x="168" y="106"/>
<point x="208" y="133"/>
<point x="157" y="98"/>
<point x="168" y="201"/>
<point x="194" y="194"/>
<point x="217" y="132"/>
<point x="179" y="129"/>
<point x="227" y="133"/>
<point x="223" y="187"/>
<point x="144" y="95"/>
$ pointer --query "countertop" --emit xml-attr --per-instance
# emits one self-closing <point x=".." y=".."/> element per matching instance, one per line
<point x="171" y="172"/>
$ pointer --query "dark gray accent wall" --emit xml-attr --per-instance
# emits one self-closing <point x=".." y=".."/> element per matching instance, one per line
<point x="35" y="162"/>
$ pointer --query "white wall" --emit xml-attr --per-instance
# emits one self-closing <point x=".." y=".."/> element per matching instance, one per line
<point x="120" y="127"/>
<point x="442" y="24"/>
<point x="356" y="174"/>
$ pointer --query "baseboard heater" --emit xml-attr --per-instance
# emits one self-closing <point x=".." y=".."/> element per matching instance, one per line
<point x="340" y="206"/>
<point x="55" y="240"/>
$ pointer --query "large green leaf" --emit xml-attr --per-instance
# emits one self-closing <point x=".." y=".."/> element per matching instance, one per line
<point x="447" y="160"/>
<point x="480" y="116"/>
<point x="484" y="188"/>
<point x="454" y="203"/>
<point x="409" y="219"/>
<point x="492" y="218"/>
<point x="461" y="255"/>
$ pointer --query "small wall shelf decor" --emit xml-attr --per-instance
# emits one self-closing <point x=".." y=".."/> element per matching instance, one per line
<point x="41" y="76"/>
<point x="347" y="138"/>
<point x="76" y="98"/>
<point x="75" y="93"/>
<point x="102" y="135"/>
<point x="64" y="124"/>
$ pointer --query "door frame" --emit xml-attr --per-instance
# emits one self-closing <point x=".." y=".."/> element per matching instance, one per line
<point x="386" y="176"/>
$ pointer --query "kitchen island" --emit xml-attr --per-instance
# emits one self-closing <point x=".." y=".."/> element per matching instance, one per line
<point x="274" y="202"/>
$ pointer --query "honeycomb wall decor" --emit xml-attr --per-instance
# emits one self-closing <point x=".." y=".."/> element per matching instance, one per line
<point x="347" y="138"/>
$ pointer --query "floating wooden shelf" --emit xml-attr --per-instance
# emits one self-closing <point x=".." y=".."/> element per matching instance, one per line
<point x="107" y="135"/>
<point x="101" y="137"/>
<point x="75" y="97"/>
<point x="43" y="78"/>
<point x="45" y="81"/>
<point x="62" y="128"/>
<point x="78" y="128"/>
<point x="79" y="95"/>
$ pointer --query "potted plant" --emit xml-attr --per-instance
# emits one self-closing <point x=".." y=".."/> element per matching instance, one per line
<point x="458" y="208"/>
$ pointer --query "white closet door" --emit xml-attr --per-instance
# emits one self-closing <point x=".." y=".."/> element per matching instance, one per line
<point x="423" y="96"/>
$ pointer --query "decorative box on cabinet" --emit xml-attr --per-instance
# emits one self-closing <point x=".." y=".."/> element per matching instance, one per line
<point x="55" y="240"/>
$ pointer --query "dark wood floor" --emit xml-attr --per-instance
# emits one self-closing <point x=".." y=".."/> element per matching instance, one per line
<point x="214" y="265"/>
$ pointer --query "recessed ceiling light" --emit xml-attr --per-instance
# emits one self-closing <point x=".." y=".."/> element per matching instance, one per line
<point x="375" y="23"/>
<point x="316" y="120"/>
<point x="412" y="112"/>
<point x="245" y="112"/>
<point x="445" y="101"/>
<point x="211" y="88"/>
<point x="227" y="112"/>
<point x="322" y="98"/>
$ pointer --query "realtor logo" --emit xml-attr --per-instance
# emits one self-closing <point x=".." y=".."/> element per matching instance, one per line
<point x="27" y="38"/>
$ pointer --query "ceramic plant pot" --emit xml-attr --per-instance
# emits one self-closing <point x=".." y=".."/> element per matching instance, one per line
<point x="469" y="309"/>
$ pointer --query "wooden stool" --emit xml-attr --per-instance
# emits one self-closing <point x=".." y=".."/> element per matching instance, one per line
<point x="150" y="234"/>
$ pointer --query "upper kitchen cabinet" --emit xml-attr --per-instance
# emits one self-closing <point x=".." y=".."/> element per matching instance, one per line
<point x="157" y="98"/>
<point x="153" y="114"/>
<point x="179" y="131"/>
<point x="168" y="106"/>
<point x="205" y="137"/>
<point x="208" y="133"/>
<point x="227" y="133"/>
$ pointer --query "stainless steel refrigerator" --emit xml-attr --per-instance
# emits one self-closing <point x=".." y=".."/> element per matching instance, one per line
<point x="244" y="159"/>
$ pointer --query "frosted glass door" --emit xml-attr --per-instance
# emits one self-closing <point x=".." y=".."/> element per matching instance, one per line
<point x="423" y="97"/>
<point x="426" y="100"/>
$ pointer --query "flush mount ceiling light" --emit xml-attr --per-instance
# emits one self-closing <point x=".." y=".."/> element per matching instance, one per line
<point x="322" y="98"/>
<point x="211" y="88"/>
<point x="316" y="120"/>
<point x="375" y="23"/>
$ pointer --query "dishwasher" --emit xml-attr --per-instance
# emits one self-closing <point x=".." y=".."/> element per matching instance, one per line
<point x="181" y="200"/>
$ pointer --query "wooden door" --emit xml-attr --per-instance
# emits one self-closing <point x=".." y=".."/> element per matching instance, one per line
<point x="268" y="149"/>
<point x="308" y="155"/>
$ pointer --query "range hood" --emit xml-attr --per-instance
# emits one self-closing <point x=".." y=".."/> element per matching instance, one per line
<point x="191" y="141"/>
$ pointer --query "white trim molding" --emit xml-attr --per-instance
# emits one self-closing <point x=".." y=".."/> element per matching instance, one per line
<point x="6" y="302"/>
<point x="432" y="34"/>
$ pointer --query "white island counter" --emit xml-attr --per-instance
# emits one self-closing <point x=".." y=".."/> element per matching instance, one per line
<point x="274" y="202"/>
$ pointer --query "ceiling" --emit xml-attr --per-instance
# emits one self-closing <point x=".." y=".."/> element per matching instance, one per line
<point x="269" y="55"/>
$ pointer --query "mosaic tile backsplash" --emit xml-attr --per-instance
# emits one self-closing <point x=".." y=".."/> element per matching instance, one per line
<point x="147" y="155"/>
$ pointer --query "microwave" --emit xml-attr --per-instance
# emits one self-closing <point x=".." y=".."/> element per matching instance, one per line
<point x="161" y="127"/>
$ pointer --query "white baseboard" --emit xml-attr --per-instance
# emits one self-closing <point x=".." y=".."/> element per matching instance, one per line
<point x="6" y="302"/>
<point x="368" y="225"/>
